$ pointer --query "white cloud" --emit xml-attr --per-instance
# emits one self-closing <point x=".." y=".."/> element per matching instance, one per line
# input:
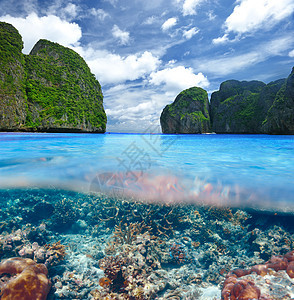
<point x="112" y="68"/>
<point x="99" y="13"/>
<point x="122" y="36"/>
<point x="231" y="64"/>
<point x="291" y="53"/>
<point x="169" y="24"/>
<point x="178" y="79"/>
<point x="227" y="65"/>
<point x="189" y="7"/>
<point x="151" y="20"/>
<point x="188" y="34"/>
<point x="130" y="113"/>
<point x="66" y="11"/>
<point x="32" y="28"/>
<point x="221" y="40"/>
<point x="70" y="11"/>
<point x="251" y="15"/>
<point x="211" y="16"/>
<point x="132" y="108"/>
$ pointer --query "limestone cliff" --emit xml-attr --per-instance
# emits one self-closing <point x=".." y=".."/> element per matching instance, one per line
<point x="189" y="113"/>
<point x="236" y="107"/>
<point x="12" y="79"/>
<point x="51" y="89"/>
<point x="280" y="117"/>
<point x="254" y="107"/>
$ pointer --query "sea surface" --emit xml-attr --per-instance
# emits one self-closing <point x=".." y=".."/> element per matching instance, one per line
<point x="242" y="170"/>
<point x="150" y="216"/>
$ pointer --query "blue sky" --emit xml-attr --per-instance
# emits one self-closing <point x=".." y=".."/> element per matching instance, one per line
<point x="145" y="52"/>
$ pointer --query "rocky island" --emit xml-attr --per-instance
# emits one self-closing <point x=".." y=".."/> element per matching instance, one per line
<point x="237" y="107"/>
<point x="189" y="113"/>
<point x="52" y="89"/>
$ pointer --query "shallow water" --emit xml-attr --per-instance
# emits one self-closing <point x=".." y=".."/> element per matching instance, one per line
<point x="236" y="170"/>
<point x="129" y="216"/>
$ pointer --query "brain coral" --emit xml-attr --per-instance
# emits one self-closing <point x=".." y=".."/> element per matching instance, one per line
<point x="235" y="288"/>
<point x="30" y="282"/>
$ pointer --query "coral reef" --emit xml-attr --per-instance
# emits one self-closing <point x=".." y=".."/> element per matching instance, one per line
<point x="22" y="243"/>
<point x="177" y="253"/>
<point x="115" y="270"/>
<point x="239" y="289"/>
<point x="234" y="288"/>
<point x="30" y="282"/>
<point x="55" y="253"/>
<point x="128" y="233"/>
<point x="116" y="248"/>
<point x="64" y="214"/>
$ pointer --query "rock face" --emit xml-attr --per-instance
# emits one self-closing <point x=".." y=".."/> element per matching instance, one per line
<point x="189" y="113"/>
<point x="12" y="79"/>
<point x="280" y="117"/>
<point x="254" y="107"/>
<point x="51" y="89"/>
<point x="236" y="107"/>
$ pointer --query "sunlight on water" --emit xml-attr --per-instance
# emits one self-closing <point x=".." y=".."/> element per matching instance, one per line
<point x="236" y="170"/>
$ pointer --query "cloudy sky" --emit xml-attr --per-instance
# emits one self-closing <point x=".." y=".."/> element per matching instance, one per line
<point x="144" y="52"/>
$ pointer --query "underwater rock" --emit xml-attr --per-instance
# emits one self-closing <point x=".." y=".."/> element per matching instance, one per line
<point x="30" y="282"/>
<point x="290" y="269"/>
<point x="42" y="210"/>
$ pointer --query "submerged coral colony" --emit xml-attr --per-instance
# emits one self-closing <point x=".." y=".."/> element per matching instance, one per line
<point x="57" y="244"/>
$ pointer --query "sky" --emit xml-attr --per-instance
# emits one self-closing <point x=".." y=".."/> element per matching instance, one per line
<point x="145" y="52"/>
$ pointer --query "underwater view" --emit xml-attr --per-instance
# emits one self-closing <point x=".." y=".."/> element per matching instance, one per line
<point x="146" y="216"/>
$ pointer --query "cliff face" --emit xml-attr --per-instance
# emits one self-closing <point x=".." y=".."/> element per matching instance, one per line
<point x="189" y="113"/>
<point x="238" y="107"/>
<point x="54" y="90"/>
<point x="254" y="107"/>
<point x="12" y="79"/>
<point x="280" y="117"/>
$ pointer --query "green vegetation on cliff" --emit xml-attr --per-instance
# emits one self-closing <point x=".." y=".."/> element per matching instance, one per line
<point x="280" y="117"/>
<point x="12" y="78"/>
<point x="57" y="89"/>
<point x="61" y="85"/>
<point x="237" y="107"/>
<point x="189" y="113"/>
<point x="242" y="107"/>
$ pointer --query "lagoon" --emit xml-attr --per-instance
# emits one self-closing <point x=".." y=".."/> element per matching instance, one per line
<point x="150" y="216"/>
<point x="245" y="170"/>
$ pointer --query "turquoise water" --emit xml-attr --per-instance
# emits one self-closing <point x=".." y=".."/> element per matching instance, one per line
<point x="239" y="170"/>
<point x="67" y="201"/>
